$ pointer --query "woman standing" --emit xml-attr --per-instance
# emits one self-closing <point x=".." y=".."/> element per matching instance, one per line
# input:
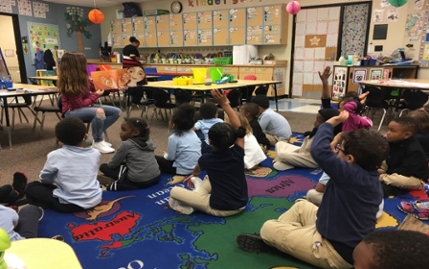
<point x="131" y="50"/>
<point x="78" y="100"/>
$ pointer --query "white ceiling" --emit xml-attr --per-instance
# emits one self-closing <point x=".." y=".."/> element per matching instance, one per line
<point x="90" y="3"/>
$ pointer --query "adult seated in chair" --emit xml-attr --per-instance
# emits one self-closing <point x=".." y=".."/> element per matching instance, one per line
<point x="78" y="100"/>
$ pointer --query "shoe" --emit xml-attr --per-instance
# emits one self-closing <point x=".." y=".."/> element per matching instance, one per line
<point x="179" y="207"/>
<point x="102" y="148"/>
<point x="58" y="237"/>
<point x="281" y="166"/>
<point x="252" y="243"/>
<point x="107" y="144"/>
<point x="19" y="182"/>
<point x="104" y="180"/>
<point x="411" y="208"/>
<point x="42" y="213"/>
<point x="426" y="189"/>
<point x="197" y="183"/>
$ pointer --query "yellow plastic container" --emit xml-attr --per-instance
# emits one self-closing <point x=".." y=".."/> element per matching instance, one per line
<point x="190" y="81"/>
<point x="175" y="81"/>
<point x="200" y="75"/>
<point x="182" y="81"/>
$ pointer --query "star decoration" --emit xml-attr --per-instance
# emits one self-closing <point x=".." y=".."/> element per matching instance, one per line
<point x="314" y="41"/>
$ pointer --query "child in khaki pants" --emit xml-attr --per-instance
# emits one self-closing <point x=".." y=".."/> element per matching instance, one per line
<point x="326" y="236"/>
<point x="406" y="167"/>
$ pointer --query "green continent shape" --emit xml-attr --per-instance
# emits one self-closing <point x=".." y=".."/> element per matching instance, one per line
<point x="220" y="239"/>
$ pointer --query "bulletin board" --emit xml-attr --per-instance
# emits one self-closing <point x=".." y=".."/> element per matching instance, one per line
<point x="424" y="45"/>
<point x="46" y="34"/>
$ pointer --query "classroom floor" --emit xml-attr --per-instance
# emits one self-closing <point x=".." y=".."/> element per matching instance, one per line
<point x="309" y="106"/>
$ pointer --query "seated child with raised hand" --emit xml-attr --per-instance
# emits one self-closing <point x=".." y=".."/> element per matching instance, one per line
<point x="21" y="225"/>
<point x="251" y="111"/>
<point x="223" y="192"/>
<point x="208" y="112"/>
<point x="134" y="165"/>
<point x="406" y="167"/>
<point x="274" y="125"/>
<point x="354" y="192"/>
<point x="184" y="146"/>
<point x="355" y="121"/>
<point x="288" y="156"/>
<point x="68" y="181"/>
<point x="392" y="249"/>
<point x="10" y="193"/>
<point x="253" y="154"/>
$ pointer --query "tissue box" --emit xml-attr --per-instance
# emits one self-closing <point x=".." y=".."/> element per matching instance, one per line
<point x="270" y="62"/>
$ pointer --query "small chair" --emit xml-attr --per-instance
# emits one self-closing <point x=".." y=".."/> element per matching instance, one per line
<point x="136" y="95"/>
<point x="18" y="106"/>
<point x="376" y="99"/>
<point x="234" y="98"/>
<point x="248" y="90"/>
<point x="44" y="110"/>
<point x="182" y="97"/>
<point x="413" y="99"/>
<point x="162" y="101"/>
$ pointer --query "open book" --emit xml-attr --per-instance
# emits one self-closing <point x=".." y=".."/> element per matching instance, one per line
<point x="110" y="79"/>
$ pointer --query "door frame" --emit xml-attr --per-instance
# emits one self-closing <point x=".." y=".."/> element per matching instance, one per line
<point x="18" y="44"/>
<point x="340" y="33"/>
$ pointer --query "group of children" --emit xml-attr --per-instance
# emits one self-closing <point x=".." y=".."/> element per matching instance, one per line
<point x="333" y="228"/>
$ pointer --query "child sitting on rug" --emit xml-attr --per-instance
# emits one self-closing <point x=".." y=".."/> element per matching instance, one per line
<point x="353" y="193"/>
<point x="355" y="121"/>
<point x="21" y="225"/>
<point x="288" y="156"/>
<point x="253" y="154"/>
<point x="223" y="192"/>
<point x="251" y="111"/>
<point x="406" y="167"/>
<point x="184" y="146"/>
<point x="387" y="249"/>
<point x="274" y="125"/>
<point x="134" y="165"/>
<point x="208" y="112"/>
<point x="422" y="134"/>
<point x="68" y="182"/>
<point x="9" y="194"/>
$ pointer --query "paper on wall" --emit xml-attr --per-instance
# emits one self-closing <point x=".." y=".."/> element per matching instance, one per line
<point x="384" y="3"/>
<point x="6" y="5"/>
<point x="414" y="25"/>
<point x="392" y="14"/>
<point x="40" y="9"/>
<point x="378" y="15"/>
<point x="24" y="8"/>
<point x="418" y="5"/>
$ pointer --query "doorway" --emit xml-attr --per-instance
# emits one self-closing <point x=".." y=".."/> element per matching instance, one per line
<point x="320" y="35"/>
<point x="12" y="48"/>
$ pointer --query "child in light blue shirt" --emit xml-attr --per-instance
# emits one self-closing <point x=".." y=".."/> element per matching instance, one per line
<point x="184" y="146"/>
<point x="68" y="181"/>
<point x="208" y="112"/>
<point x="20" y="225"/>
<point x="274" y="125"/>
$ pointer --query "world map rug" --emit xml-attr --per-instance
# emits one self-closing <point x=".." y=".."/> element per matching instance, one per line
<point x="137" y="229"/>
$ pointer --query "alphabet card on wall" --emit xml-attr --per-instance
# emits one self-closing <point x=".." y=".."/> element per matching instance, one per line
<point x="40" y="9"/>
<point x="24" y="8"/>
<point x="6" y="5"/>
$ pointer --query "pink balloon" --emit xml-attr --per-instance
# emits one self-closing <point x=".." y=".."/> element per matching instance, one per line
<point x="293" y="7"/>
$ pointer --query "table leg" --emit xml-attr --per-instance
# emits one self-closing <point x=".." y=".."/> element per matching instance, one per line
<point x="276" y="98"/>
<point x="6" y="114"/>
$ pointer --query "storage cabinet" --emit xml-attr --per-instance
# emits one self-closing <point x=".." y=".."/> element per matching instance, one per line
<point x="267" y="25"/>
<point x="150" y="39"/>
<point x="346" y="78"/>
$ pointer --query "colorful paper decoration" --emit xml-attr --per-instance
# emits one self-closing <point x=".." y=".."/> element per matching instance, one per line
<point x="293" y="7"/>
<point x="96" y="16"/>
<point x="398" y="3"/>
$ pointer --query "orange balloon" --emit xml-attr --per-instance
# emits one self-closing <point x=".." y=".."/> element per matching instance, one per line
<point x="96" y="16"/>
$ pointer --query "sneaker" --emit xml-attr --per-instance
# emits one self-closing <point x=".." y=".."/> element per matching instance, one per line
<point x="179" y="207"/>
<point x="19" y="182"/>
<point x="252" y="243"/>
<point x="197" y="183"/>
<point x="42" y="213"/>
<point x="107" y="144"/>
<point x="104" y="180"/>
<point x="102" y="148"/>
<point x="426" y="189"/>
<point x="411" y="208"/>
<point x="58" y="237"/>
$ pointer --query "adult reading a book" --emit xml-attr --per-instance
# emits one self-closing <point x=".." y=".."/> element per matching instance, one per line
<point x="131" y="51"/>
<point x="78" y="98"/>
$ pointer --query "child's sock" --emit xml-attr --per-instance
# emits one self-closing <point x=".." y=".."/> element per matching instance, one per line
<point x="423" y="204"/>
<point x="19" y="183"/>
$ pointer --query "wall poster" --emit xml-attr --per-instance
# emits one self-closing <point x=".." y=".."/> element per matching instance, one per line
<point x="375" y="73"/>
<point x="359" y="75"/>
<point x="339" y="83"/>
<point x="42" y="36"/>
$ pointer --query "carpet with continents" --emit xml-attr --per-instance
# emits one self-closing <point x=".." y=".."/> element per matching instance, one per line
<point x="137" y="229"/>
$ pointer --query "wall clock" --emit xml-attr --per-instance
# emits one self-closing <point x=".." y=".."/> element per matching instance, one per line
<point x="176" y="7"/>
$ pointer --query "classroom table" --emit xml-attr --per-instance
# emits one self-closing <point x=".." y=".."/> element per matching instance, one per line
<point x="401" y="84"/>
<point x="44" y="253"/>
<point x="168" y="85"/>
<point x="55" y="78"/>
<point x="22" y="90"/>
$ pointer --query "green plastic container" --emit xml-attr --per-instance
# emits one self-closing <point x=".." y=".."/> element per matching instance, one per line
<point x="216" y="73"/>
